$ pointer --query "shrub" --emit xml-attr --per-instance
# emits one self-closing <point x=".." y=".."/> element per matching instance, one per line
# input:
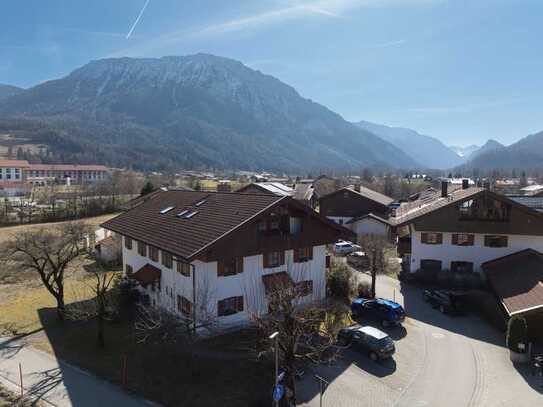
<point x="339" y="282"/>
<point x="517" y="333"/>
<point x="364" y="289"/>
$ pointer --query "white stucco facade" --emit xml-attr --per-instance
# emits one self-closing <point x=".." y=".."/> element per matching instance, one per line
<point x="369" y="226"/>
<point x="211" y="288"/>
<point x="476" y="254"/>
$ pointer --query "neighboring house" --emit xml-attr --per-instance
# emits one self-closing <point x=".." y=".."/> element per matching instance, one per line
<point x="108" y="250"/>
<point x="369" y="224"/>
<point x="44" y="174"/>
<point x="346" y="204"/>
<point x="305" y="193"/>
<point x="213" y="256"/>
<point x="324" y="185"/>
<point x="532" y="190"/>
<point x="517" y="282"/>
<point x="13" y="177"/>
<point x="463" y="229"/>
<point x="273" y="188"/>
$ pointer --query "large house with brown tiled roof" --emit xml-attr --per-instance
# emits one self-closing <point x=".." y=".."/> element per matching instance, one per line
<point x="212" y="256"/>
<point x="463" y="229"/>
<point x="361" y="209"/>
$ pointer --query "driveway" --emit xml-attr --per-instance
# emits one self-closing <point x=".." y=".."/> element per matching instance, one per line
<point x="55" y="382"/>
<point x="440" y="361"/>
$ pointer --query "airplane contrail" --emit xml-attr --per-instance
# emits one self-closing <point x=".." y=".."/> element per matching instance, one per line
<point x="137" y="19"/>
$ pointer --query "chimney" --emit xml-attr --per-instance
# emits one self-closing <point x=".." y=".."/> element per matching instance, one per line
<point x="444" y="187"/>
<point x="465" y="183"/>
<point x="357" y="187"/>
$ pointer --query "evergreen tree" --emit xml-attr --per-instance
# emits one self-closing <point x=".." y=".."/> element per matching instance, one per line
<point x="147" y="188"/>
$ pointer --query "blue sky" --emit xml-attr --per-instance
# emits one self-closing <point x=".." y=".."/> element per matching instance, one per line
<point x="460" y="70"/>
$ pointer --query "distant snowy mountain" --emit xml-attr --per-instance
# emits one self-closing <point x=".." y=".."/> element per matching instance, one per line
<point x="428" y="151"/>
<point x="465" y="152"/>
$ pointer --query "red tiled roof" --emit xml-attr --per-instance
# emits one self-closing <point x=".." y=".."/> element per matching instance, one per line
<point x="108" y="241"/>
<point x="14" y="163"/>
<point x="66" y="167"/>
<point x="276" y="281"/>
<point x="517" y="279"/>
<point x="147" y="274"/>
<point x="12" y="184"/>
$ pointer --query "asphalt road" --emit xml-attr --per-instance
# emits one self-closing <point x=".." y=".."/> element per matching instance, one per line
<point x="441" y="361"/>
<point x="54" y="382"/>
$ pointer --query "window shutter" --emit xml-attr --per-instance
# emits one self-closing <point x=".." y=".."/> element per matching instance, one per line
<point x="471" y="239"/>
<point x="281" y="258"/>
<point x="239" y="265"/>
<point x="424" y="237"/>
<point x="239" y="303"/>
<point x="220" y="268"/>
<point x="455" y="238"/>
<point x="310" y="252"/>
<point x="296" y="255"/>
<point x="440" y="238"/>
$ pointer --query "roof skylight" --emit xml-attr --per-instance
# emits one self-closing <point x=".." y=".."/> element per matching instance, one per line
<point x="200" y="202"/>
<point x="190" y="215"/>
<point x="166" y="210"/>
<point x="182" y="213"/>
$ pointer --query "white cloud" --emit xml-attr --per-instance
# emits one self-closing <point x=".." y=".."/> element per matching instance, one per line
<point x="293" y="10"/>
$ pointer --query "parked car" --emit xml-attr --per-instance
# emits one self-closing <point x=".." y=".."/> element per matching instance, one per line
<point x="376" y="343"/>
<point x="448" y="302"/>
<point x="358" y="259"/>
<point x="345" y="247"/>
<point x="385" y="312"/>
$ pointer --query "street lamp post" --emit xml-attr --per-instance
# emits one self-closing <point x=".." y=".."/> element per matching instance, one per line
<point x="275" y="337"/>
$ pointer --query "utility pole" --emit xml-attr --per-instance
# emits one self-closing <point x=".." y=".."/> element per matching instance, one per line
<point x="323" y="384"/>
<point x="373" y="271"/>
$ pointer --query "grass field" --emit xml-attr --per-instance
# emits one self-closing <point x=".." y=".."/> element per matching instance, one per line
<point x="9" y="232"/>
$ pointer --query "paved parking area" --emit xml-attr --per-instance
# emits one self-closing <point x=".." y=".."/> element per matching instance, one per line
<point x="440" y="361"/>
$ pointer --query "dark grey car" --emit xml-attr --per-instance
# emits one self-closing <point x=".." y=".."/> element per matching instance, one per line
<point x="377" y="344"/>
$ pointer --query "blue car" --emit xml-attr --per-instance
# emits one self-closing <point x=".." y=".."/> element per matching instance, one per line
<point x="386" y="312"/>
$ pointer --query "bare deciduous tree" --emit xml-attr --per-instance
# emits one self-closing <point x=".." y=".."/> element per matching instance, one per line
<point x="97" y="308"/>
<point x="300" y="316"/>
<point x="48" y="252"/>
<point x="374" y="247"/>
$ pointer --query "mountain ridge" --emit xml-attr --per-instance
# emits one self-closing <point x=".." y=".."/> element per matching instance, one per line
<point x="9" y="90"/>
<point x="429" y="151"/>
<point x="527" y="153"/>
<point x="199" y="110"/>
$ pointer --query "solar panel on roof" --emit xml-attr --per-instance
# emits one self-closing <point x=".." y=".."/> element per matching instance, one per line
<point x="166" y="210"/>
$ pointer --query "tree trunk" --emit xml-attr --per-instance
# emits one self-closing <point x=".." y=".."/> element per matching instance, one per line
<point x="373" y="274"/>
<point x="101" y="313"/>
<point x="61" y="308"/>
<point x="101" y="338"/>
